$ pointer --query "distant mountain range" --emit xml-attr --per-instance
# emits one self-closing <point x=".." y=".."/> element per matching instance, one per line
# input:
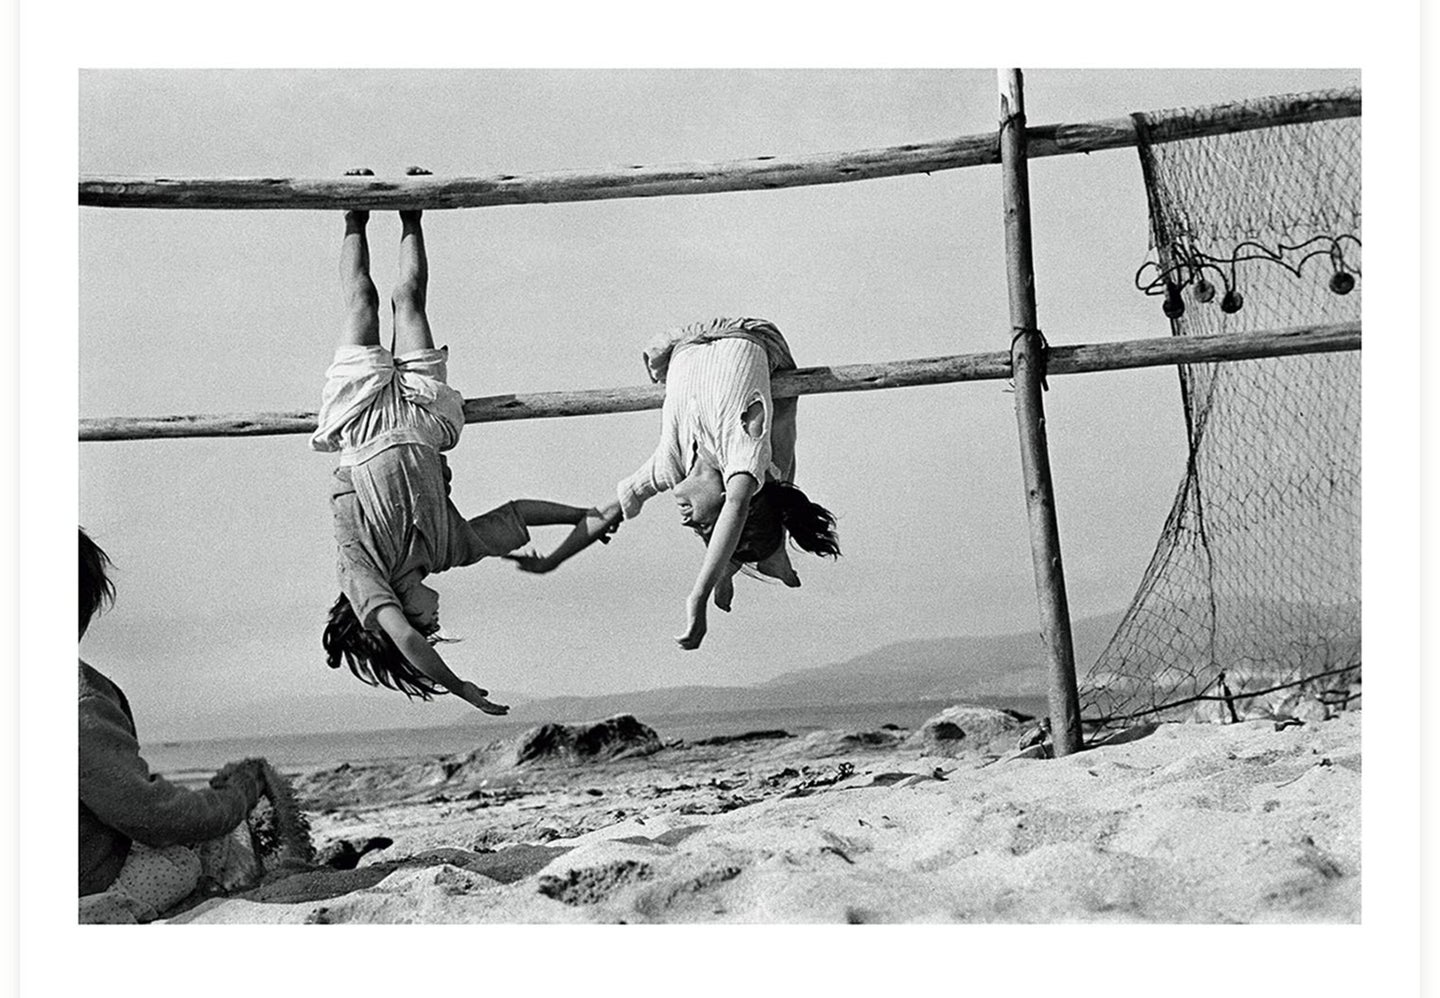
<point x="988" y="668"/>
<point x="1006" y="665"/>
<point x="954" y="668"/>
<point x="957" y="668"/>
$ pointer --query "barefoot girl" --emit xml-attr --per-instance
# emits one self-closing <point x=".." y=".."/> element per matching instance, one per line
<point x="727" y="450"/>
<point x="389" y="414"/>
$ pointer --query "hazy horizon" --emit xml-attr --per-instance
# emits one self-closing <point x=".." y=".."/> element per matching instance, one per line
<point x="223" y="548"/>
<point x="366" y="709"/>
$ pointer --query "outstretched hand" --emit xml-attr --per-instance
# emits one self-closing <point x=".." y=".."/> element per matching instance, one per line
<point x="532" y="561"/>
<point x="477" y="697"/>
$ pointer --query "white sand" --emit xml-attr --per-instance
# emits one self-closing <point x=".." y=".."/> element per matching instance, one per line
<point x="1192" y="823"/>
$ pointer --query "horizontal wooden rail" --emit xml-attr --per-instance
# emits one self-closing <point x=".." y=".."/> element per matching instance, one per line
<point x="993" y="366"/>
<point x="759" y="173"/>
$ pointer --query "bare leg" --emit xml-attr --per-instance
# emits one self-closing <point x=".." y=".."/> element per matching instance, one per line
<point x="412" y="328"/>
<point x="591" y="525"/>
<point x="361" y="325"/>
<point x="725" y="587"/>
<point x="782" y="437"/>
<point x="543" y="513"/>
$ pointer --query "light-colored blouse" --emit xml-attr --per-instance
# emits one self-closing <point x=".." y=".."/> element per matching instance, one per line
<point x="709" y="385"/>
<point x="389" y="418"/>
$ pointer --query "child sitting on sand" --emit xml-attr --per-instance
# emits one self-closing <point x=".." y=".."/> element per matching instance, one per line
<point x="727" y="450"/>
<point x="389" y="414"/>
<point x="143" y="840"/>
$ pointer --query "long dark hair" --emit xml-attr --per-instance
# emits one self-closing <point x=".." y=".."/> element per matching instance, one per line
<point x="96" y="589"/>
<point x="371" y="655"/>
<point x="780" y="508"/>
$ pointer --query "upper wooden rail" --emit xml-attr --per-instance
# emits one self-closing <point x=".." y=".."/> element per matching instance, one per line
<point x="992" y="366"/>
<point x="758" y="173"/>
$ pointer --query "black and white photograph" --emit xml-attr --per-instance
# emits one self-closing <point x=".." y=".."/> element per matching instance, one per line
<point x="832" y="655"/>
<point x="514" y="494"/>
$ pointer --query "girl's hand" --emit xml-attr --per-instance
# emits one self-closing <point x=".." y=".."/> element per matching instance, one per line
<point x="606" y="524"/>
<point x="532" y="562"/>
<point x="476" y="697"/>
<point x="719" y="565"/>
<point x="695" y="634"/>
<point x="247" y="776"/>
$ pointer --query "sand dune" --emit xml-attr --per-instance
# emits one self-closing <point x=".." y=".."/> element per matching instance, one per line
<point x="1184" y="823"/>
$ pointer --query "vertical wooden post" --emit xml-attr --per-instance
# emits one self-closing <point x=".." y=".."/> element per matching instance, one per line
<point x="1027" y="358"/>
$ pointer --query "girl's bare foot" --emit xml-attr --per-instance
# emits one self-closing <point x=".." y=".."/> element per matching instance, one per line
<point x="358" y="216"/>
<point x="725" y="593"/>
<point x="413" y="171"/>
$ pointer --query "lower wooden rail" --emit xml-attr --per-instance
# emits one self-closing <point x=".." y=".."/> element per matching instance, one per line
<point x="992" y="366"/>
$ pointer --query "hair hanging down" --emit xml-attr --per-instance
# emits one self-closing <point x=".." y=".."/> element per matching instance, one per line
<point x="96" y="589"/>
<point x="781" y="508"/>
<point x="371" y="655"/>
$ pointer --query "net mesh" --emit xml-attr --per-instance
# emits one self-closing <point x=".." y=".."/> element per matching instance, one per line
<point x="1253" y="591"/>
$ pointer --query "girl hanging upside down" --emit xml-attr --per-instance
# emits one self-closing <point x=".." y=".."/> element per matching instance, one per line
<point x="727" y="450"/>
<point x="389" y="414"/>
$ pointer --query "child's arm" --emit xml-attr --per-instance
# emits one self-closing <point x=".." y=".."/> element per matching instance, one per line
<point x="723" y="541"/>
<point x="422" y="656"/>
<point x="591" y="525"/>
<point x="117" y="784"/>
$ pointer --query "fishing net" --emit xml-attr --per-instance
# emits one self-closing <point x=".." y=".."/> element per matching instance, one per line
<point x="1253" y="591"/>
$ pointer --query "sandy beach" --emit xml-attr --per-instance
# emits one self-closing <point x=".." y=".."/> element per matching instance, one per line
<point x="1251" y="822"/>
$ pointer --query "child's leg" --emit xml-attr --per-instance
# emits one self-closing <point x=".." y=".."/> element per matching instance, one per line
<point x="362" y="302"/>
<point x="157" y="878"/>
<point x="782" y="437"/>
<point x="412" y="328"/>
<point x="229" y="862"/>
<point x="591" y="525"/>
<point x="543" y="513"/>
<point x="113" y="908"/>
<point x="725" y="587"/>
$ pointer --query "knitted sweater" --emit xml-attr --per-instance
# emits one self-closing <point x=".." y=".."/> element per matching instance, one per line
<point x="121" y="800"/>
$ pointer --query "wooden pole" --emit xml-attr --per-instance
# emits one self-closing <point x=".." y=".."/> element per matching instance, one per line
<point x="757" y="173"/>
<point x="1027" y="352"/>
<point x="1082" y="358"/>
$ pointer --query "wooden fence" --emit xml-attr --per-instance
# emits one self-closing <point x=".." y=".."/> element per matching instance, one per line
<point x="1028" y="361"/>
<point x="992" y="366"/>
<point x="757" y="173"/>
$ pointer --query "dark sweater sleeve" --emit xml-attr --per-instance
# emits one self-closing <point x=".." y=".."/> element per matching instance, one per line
<point x="117" y="785"/>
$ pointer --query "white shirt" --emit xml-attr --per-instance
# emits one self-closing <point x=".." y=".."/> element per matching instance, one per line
<point x="708" y="387"/>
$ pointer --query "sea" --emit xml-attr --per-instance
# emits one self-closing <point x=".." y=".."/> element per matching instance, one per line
<point x="191" y="763"/>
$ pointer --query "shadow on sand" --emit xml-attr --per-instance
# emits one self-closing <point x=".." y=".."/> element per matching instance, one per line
<point x="1124" y="735"/>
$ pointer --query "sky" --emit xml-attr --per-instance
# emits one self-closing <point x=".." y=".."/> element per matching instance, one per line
<point x="223" y="548"/>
